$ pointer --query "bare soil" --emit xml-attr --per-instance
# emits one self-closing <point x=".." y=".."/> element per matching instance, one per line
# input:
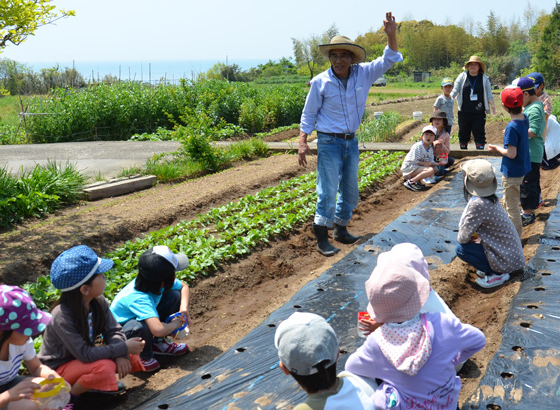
<point x="230" y="303"/>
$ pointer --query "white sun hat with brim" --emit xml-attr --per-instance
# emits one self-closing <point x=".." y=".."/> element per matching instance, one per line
<point x="480" y="179"/>
<point x="344" y="43"/>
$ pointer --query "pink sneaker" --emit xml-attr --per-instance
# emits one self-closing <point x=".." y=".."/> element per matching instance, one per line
<point x="170" y="348"/>
<point x="150" y="365"/>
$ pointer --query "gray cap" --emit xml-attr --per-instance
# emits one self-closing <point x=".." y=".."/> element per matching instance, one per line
<point x="305" y="340"/>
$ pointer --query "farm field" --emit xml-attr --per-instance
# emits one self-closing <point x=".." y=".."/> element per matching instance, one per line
<point x="240" y="295"/>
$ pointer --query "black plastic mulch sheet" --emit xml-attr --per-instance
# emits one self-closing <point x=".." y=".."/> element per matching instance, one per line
<point x="525" y="372"/>
<point x="248" y="377"/>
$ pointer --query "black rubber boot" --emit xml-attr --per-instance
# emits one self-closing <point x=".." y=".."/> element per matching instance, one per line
<point x="342" y="235"/>
<point x="323" y="244"/>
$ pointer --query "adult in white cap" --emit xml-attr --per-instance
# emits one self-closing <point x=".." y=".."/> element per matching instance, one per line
<point x="308" y="350"/>
<point x="413" y="353"/>
<point x="143" y="306"/>
<point x="334" y="107"/>
<point x="487" y="238"/>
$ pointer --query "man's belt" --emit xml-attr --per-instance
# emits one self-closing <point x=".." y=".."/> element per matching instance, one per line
<point x="334" y="134"/>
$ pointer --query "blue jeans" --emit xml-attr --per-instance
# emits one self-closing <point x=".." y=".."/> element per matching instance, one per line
<point x="169" y="304"/>
<point x="337" y="172"/>
<point x="473" y="254"/>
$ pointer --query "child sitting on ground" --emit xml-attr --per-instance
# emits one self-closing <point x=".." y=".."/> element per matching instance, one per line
<point x="434" y="303"/>
<point x="487" y="238"/>
<point x="419" y="162"/>
<point x="445" y="102"/>
<point x="80" y="315"/>
<point x="515" y="162"/>
<point x="442" y="144"/>
<point x="143" y="306"/>
<point x="308" y="350"/>
<point x="19" y="320"/>
<point x="413" y="353"/>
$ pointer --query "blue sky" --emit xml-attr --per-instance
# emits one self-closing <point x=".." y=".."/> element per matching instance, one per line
<point x="141" y="30"/>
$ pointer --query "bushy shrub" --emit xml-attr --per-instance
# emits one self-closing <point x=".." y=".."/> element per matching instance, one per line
<point x="38" y="192"/>
<point x="118" y="111"/>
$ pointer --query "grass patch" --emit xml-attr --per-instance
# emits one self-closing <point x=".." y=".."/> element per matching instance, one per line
<point x="39" y="191"/>
<point x="382" y="129"/>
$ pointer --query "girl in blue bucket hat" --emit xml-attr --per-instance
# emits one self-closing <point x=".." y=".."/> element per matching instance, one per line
<point x="19" y="321"/>
<point x="80" y="316"/>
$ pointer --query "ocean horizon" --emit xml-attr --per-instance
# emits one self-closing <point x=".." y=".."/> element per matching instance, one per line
<point x="145" y="71"/>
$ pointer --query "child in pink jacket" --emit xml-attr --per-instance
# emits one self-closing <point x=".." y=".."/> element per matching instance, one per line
<point x="413" y="353"/>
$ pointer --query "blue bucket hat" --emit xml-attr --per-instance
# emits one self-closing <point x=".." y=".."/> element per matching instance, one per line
<point x="18" y="312"/>
<point x="75" y="266"/>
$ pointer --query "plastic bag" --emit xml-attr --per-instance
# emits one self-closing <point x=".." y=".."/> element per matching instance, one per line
<point x="53" y="397"/>
<point x="552" y="140"/>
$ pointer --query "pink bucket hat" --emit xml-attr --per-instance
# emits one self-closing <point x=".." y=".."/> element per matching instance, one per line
<point x="398" y="286"/>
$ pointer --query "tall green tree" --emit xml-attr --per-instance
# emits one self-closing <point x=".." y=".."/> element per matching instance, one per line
<point x="306" y="51"/>
<point x="546" y="59"/>
<point x="20" y="19"/>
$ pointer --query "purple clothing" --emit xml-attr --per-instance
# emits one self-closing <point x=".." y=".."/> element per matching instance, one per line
<point x="436" y="385"/>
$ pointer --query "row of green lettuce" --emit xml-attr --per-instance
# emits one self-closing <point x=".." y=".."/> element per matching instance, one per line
<point x="119" y="111"/>
<point x="230" y="231"/>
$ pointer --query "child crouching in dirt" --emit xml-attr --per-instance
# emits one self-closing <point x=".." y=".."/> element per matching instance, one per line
<point x="143" y="305"/>
<point x="80" y="316"/>
<point x="20" y="319"/>
<point x="487" y="238"/>
<point x="434" y="303"/>
<point x="419" y="162"/>
<point x="413" y="353"/>
<point x="442" y="144"/>
<point x="308" y="351"/>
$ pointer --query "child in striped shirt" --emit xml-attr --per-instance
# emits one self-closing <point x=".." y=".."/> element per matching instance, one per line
<point x="419" y="162"/>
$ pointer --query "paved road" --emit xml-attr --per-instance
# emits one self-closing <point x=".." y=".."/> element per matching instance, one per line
<point x="105" y="157"/>
<point x="108" y="158"/>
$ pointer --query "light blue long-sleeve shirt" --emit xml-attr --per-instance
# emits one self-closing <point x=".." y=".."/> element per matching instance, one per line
<point x="330" y="107"/>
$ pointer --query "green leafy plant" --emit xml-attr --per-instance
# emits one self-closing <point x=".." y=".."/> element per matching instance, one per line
<point x="233" y="230"/>
<point x="381" y="129"/>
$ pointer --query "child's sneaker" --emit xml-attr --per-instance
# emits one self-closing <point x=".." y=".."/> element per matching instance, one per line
<point x="463" y="146"/>
<point x="169" y="348"/>
<point x="421" y="186"/>
<point x="480" y="274"/>
<point x="411" y="185"/>
<point x="150" y="365"/>
<point x="528" y="219"/>
<point x="479" y="146"/>
<point x="492" y="281"/>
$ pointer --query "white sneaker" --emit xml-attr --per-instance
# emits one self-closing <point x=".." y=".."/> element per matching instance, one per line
<point x="430" y="180"/>
<point x="492" y="281"/>
<point x="480" y="274"/>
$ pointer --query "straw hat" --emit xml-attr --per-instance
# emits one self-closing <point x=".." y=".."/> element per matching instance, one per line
<point x="480" y="179"/>
<point x="476" y="59"/>
<point x="344" y="43"/>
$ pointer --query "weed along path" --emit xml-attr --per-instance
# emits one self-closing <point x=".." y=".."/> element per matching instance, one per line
<point x="243" y="292"/>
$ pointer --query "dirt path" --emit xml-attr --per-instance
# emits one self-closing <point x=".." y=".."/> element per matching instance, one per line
<point x="226" y="306"/>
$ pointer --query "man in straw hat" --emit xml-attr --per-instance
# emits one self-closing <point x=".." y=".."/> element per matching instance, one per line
<point x="474" y="100"/>
<point x="334" y="107"/>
